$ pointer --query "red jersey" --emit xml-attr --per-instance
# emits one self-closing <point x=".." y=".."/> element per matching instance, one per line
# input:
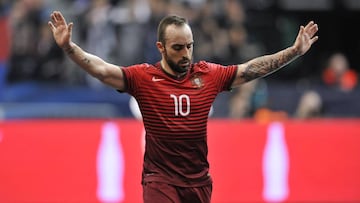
<point x="175" y="114"/>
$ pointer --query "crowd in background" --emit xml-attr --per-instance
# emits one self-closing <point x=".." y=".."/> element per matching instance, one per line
<point x="123" y="32"/>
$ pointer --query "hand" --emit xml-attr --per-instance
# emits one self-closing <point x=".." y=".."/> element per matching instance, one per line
<point x="306" y="38"/>
<point x="61" y="31"/>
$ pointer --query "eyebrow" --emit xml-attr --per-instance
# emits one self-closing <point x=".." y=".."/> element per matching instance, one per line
<point x="182" y="45"/>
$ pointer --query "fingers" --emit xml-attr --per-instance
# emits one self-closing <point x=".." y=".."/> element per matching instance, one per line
<point x="52" y="16"/>
<point x="311" y="28"/>
<point x="70" y="27"/>
<point x="51" y="25"/>
<point x="314" y="39"/>
<point x="311" y="23"/>
<point x="301" y="31"/>
<point x="57" y="17"/>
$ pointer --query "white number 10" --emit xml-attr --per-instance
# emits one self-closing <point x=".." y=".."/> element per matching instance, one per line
<point x="178" y="103"/>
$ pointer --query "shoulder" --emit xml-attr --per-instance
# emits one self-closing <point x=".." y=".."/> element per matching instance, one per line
<point x="202" y="66"/>
<point x="205" y="66"/>
<point x="143" y="67"/>
<point x="140" y="66"/>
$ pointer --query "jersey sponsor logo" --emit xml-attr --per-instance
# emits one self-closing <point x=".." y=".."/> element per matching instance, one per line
<point x="155" y="79"/>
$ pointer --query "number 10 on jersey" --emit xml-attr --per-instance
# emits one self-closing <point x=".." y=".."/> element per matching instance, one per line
<point x="180" y="109"/>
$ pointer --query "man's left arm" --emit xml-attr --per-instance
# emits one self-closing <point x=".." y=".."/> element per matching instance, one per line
<point x="267" y="64"/>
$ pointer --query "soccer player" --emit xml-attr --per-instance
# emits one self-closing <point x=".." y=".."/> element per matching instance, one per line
<point x="175" y="97"/>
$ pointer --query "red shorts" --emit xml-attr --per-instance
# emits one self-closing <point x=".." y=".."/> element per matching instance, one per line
<point x="155" y="192"/>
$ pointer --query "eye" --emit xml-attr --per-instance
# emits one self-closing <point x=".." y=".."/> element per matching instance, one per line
<point x="189" y="46"/>
<point x="178" y="47"/>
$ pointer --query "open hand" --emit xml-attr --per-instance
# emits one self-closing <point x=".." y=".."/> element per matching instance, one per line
<point x="306" y="37"/>
<point x="61" y="31"/>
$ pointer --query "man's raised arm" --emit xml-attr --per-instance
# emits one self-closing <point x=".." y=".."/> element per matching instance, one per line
<point x="265" y="65"/>
<point x="107" y="73"/>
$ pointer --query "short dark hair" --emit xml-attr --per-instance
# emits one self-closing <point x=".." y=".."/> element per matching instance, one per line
<point x="165" y="22"/>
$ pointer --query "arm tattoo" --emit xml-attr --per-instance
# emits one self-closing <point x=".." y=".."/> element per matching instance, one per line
<point x="86" y="60"/>
<point x="264" y="65"/>
<point x="70" y="50"/>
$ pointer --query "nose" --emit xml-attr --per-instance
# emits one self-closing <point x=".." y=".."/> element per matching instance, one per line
<point x="186" y="53"/>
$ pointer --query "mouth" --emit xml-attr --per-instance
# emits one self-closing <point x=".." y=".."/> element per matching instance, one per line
<point x="184" y="63"/>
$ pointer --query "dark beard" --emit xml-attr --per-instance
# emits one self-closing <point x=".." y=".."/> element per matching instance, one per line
<point x="176" y="67"/>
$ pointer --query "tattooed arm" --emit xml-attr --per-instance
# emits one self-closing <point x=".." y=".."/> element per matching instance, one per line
<point x="107" y="73"/>
<point x="265" y="65"/>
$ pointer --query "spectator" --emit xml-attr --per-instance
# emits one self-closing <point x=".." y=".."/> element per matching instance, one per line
<point x="310" y="105"/>
<point x="34" y="55"/>
<point x="339" y="74"/>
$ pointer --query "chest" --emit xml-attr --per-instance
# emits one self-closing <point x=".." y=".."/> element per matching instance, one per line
<point x="167" y="96"/>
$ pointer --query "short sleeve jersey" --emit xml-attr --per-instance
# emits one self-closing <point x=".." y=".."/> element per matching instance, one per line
<point x="175" y="114"/>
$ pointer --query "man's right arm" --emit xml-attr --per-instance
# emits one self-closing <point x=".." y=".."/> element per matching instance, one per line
<point x="109" y="74"/>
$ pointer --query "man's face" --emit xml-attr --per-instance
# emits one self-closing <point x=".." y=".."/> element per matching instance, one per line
<point x="178" y="48"/>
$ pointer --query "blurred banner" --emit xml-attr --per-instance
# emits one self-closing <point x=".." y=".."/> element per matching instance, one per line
<point x="4" y="39"/>
<point x="101" y="161"/>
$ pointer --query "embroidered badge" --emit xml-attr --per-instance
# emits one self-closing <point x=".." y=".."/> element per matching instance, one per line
<point x="197" y="82"/>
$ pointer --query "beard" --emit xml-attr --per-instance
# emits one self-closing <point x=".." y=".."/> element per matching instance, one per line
<point x="181" y="66"/>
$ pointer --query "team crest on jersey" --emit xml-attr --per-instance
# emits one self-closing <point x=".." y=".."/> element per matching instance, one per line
<point x="197" y="82"/>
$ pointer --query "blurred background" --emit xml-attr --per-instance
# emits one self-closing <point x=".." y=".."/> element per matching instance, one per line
<point x="292" y="136"/>
<point x="38" y="80"/>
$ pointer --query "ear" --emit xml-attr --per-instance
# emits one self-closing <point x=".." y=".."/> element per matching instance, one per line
<point x="160" y="47"/>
